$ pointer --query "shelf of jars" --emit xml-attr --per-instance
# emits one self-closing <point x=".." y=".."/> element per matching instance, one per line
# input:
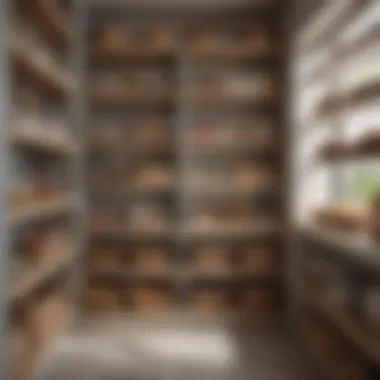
<point x="42" y="205"/>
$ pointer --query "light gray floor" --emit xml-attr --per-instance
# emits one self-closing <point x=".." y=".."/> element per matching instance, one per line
<point x="171" y="351"/>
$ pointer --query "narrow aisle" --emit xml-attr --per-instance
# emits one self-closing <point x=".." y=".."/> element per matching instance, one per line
<point x="174" y="351"/>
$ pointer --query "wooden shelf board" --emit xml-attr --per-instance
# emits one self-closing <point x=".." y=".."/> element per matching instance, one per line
<point x="125" y="100"/>
<point x="143" y="191"/>
<point x="236" y="149"/>
<point x="359" y="95"/>
<point x="41" y="209"/>
<point x="135" y="55"/>
<point x="52" y="20"/>
<point x="231" y="54"/>
<point x="131" y="151"/>
<point x="231" y="101"/>
<point x="186" y="274"/>
<point x="125" y="233"/>
<point x="39" y="67"/>
<point x="228" y="193"/>
<point x="358" y="249"/>
<point x="37" y="277"/>
<point x="42" y="144"/>
<point x="224" y="233"/>
<point x="352" y="158"/>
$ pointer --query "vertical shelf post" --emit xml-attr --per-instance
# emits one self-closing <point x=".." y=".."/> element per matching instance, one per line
<point x="5" y="91"/>
<point x="79" y="119"/>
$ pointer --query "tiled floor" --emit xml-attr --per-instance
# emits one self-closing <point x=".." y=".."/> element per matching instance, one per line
<point x="171" y="351"/>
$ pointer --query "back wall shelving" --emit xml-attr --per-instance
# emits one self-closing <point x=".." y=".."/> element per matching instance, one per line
<point x="185" y="171"/>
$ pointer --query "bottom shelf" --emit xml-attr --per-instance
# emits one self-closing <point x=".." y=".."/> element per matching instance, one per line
<point x="361" y="338"/>
<point x="162" y="299"/>
<point x="334" y="359"/>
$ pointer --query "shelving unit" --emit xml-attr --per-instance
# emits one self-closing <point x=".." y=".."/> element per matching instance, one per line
<point x="40" y="150"/>
<point x="123" y="114"/>
<point x="338" y="257"/>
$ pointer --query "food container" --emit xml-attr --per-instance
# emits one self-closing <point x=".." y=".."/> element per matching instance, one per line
<point x="105" y="260"/>
<point x="212" y="301"/>
<point x="154" y="175"/>
<point x="110" y="85"/>
<point x="257" y="135"/>
<point x="261" y="262"/>
<point x="211" y="260"/>
<point x="151" y="134"/>
<point x="246" y="175"/>
<point x="102" y="298"/>
<point x="22" y="195"/>
<point x="148" y="217"/>
<point x="258" y="41"/>
<point x="157" y="38"/>
<point x="204" y="40"/>
<point x="151" y="298"/>
<point x="259" y="302"/>
<point x="152" y="260"/>
<point x="112" y="40"/>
